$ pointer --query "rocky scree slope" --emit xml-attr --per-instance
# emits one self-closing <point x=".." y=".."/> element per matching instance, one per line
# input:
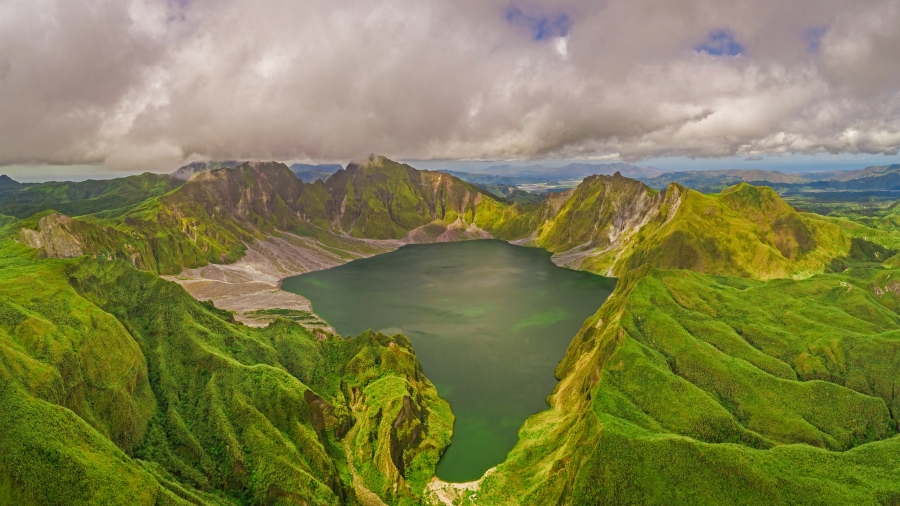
<point x="213" y="217"/>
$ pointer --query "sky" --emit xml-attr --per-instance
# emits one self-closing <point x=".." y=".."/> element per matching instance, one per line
<point x="126" y="86"/>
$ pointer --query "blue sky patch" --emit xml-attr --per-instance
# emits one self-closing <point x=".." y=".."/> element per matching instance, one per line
<point x="541" y="26"/>
<point x="813" y="37"/>
<point x="720" y="43"/>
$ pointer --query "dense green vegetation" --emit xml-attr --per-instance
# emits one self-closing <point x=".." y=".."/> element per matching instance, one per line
<point x="749" y="354"/>
<point x="294" y="315"/>
<point x="614" y="224"/>
<point x="87" y="197"/>
<point x="512" y="194"/>
<point x="686" y="388"/>
<point x="116" y="387"/>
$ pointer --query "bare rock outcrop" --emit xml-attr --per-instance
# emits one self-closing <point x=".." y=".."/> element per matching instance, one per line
<point x="53" y="238"/>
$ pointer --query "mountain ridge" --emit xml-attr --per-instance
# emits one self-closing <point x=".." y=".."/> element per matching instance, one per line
<point x="186" y="172"/>
<point x="874" y="177"/>
<point x="730" y="342"/>
<point x="573" y="170"/>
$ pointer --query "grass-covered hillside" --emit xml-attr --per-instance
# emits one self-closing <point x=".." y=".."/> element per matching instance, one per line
<point x="608" y="224"/>
<point x="117" y="387"/>
<point x="690" y="389"/>
<point x="86" y="197"/>
<point x="212" y="217"/>
<point x="612" y="224"/>
<point x="749" y="354"/>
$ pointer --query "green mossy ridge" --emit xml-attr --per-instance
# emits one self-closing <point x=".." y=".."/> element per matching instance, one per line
<point x="130" y="391"/>
<point x="295" y="315"/>
<point x="110" y="196"/>
<point x="383" y="199"/>
<point x="619" y="224"/>
<point x="782" y="384"/>
<point x="613" y="223"/>
<point x="211" y="218"/>
<point x="686" y="388"/>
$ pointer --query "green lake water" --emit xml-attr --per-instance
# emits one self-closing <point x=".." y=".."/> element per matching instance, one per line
<point x="489" y="322"/>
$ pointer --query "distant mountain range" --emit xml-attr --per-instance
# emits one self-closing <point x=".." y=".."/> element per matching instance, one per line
<point x="537" y="174"/>
<point x="512" y="194"/>
<point x="329" y="168"/>
<point x="309" y="173"/>
<point x="573" y="171"/>
<point x="884" y="177"/>
<point x="846" y="175"/>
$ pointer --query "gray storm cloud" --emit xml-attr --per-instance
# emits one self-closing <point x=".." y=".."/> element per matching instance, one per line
<point x="151" y="83"/>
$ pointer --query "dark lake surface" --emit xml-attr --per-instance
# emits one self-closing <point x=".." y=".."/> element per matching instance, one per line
<point x="489" y="322"/>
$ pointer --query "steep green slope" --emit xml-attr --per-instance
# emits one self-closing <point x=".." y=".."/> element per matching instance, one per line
<point x="212" y="217"/>
<point x="117" y="387"/>
<point x="208" y="220"/>
<point x="87" y="197"/>
<point x="685" y="388"/>
<point x="596" y="215"/>
<point x="615" y="224"/>
<point x="383" y="199"/>
<point x="769" y="392"/>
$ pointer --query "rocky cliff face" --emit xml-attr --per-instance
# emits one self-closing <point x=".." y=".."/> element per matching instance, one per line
<point x="608" y="224"/>
<point x="611" y="225"/>
<point x="596" y="219"/>
<point x="53" y="238"/>
<point x="383" y="199"/>
<point x="252" y="195"/>
<point x="190" y="170"/>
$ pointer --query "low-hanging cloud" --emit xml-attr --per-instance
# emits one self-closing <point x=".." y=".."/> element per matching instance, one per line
<point x="152" y="83"/>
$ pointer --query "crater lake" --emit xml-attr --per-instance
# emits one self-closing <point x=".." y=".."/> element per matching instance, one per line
<point x="489" y="321"/>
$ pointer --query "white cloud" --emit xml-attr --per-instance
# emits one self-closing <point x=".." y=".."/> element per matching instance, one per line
<point x="154" y="82"/>
<point x="561" y="44"/>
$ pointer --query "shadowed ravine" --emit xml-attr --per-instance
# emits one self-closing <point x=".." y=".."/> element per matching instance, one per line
<point x="489" y="322"/>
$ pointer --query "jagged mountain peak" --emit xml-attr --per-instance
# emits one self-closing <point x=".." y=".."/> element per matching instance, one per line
<point x="383" y="199"/>
<point x="192" y="169"/>
<point x="612" y="224"/>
